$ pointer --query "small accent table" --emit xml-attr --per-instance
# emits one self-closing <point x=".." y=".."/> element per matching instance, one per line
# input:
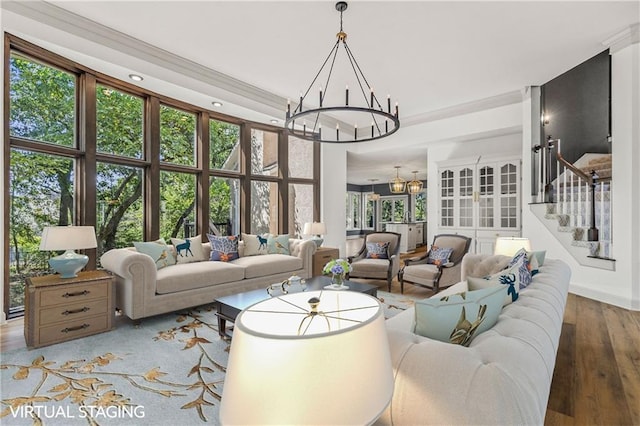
<point x="321" y="257"/>
<point x="228" y="307"/>
<point x="60" y="309"/>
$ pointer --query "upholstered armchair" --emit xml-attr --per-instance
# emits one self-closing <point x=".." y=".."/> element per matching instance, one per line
<point x="429" y="271"/>
<point x="378" y="257"/>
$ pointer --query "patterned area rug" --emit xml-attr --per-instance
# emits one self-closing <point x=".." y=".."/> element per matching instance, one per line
<point x="167" y="371"/>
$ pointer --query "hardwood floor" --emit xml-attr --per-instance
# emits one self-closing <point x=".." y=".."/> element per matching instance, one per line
<point x="596" y="379"/>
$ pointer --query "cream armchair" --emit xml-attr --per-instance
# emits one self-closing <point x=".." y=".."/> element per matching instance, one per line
<point x="419" y="272"/>
<point x="368" y="264"/>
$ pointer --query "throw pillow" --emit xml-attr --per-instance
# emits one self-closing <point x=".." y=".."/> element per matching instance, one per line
<point x="278" y="244"/>
<point x="458" y="318"/>
<point x="508" y="277"/>
<point x="524" y="275"/>
<point x="378" y="250"/>
<point x="159" y="251"/>
<point x="255" y="244"/>
<point x="189" y="250"/>
<point x="539" y="255"/>
<point x="223" y="248"/>
<point x="439" y="256"/>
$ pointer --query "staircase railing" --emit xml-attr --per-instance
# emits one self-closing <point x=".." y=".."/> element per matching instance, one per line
<point x="576" y="192"/>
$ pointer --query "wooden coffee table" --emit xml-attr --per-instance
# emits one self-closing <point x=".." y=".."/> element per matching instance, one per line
<point x="228" y="307"/>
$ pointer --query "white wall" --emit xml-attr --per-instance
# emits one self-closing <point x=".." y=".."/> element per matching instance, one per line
<point x="333" y="178"/>
<point x="622" y="286"/>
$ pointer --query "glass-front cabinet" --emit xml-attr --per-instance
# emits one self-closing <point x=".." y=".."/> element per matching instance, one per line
<point x="480" y="199"/>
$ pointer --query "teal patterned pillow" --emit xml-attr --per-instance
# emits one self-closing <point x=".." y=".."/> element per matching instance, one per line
<point x="278" y="244"/>
<point x="459" y="318"/>
<point x="224" y="248"/>
<point x="159" y="251"/>
<point x="378" y="250"/>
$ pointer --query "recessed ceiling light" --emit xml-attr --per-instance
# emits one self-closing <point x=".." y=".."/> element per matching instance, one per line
<point x="274" y="121"/>
<point x="135" y="77"/>
<point x="216" y="104"/>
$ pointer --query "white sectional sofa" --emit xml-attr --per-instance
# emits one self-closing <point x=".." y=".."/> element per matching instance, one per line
<point x="502" y="378"/>
<point x="143" y="291"/>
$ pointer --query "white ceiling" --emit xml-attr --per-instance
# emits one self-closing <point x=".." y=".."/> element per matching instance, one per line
<point x="428" y="55"/>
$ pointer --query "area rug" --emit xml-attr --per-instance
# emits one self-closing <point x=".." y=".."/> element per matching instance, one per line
<point x="169" y="370"/>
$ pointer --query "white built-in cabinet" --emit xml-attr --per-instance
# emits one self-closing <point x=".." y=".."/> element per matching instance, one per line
<point x="480" y="198"/>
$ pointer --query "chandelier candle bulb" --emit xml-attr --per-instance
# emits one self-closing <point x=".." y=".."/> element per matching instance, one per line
<point x="372" y="128"/>
<point x="389" y="104"/>
<point x="346" y="93"/>
<point x="396" y="109"/>
<point x="320" y="96"/>
<point x="355" y="131"/>
<point x="386" y="126"/>
<point x="337" y="131"/>
<point x="300" y="106"/>
<point x="372" y="97"/>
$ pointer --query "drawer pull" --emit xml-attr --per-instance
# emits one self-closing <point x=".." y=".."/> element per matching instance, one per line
<point x="69" y="329"/>
<point x="77" y="293"/>
<point x="75" y="311"/>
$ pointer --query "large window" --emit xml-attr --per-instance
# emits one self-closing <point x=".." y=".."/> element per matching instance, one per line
<point x="43" y="102"/>
<point x="420" y="206"/>
<point x="41" y="194"/>
<point x="136" y="166"/>
<point x="119" y="122"/>
<point x="354" y="210"/>
<point x="393" y="209"/>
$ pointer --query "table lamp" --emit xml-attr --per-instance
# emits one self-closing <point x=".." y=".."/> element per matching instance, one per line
<point x="318" y="357"/>
<point x="316" y="229"/>
<point x="68" y="238"/>
<point x="508" y="246"/>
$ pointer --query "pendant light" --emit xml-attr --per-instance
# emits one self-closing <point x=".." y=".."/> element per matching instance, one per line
<point x="415" y="185"/>
<point x="373" y="196"/>
<point x="397" y="184"/>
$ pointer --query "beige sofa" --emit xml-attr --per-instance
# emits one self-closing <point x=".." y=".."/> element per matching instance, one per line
<point x="503" y="377"/>
<point x="143" y="291"/>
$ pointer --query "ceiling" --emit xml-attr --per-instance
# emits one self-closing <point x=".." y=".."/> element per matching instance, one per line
<point x="430" y="56"/>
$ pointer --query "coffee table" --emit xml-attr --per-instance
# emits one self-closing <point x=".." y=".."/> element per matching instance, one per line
<point x="228" y="307"/>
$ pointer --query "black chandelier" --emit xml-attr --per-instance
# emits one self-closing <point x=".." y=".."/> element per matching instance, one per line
<point x="375" y="122"/>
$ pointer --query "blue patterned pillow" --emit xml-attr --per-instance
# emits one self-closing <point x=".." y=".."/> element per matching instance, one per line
<point x="159" y="251"/>
<point x="508" y="277"/>
<point x="524" y="273"/>
<point x="439" y="256"/>
<point x="223" y="249"/>
<point x="278" y="244"/>
<point x="377" y="250"/>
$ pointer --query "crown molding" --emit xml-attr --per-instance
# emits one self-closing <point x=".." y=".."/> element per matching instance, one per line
<point x="69" y="22"/>
<point x="626" y="37"/>
<point x="504" y="99"/>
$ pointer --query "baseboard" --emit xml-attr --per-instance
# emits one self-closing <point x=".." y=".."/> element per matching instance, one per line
<point x="604" y="297"/>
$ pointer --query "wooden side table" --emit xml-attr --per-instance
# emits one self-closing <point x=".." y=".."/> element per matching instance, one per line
<point x="60" y="309"/>
<point x="321" y="257"/>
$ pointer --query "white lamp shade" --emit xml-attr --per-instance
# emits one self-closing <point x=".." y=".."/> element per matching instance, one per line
<point x="275" y="376"/>
<point x="315" y="228"/>
<point x="508" y="246"/>
<point x="68" y="238"/>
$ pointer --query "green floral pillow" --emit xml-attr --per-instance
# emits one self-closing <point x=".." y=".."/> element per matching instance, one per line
<point x="459" y="318"/>
<point x="159" y="251"/>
